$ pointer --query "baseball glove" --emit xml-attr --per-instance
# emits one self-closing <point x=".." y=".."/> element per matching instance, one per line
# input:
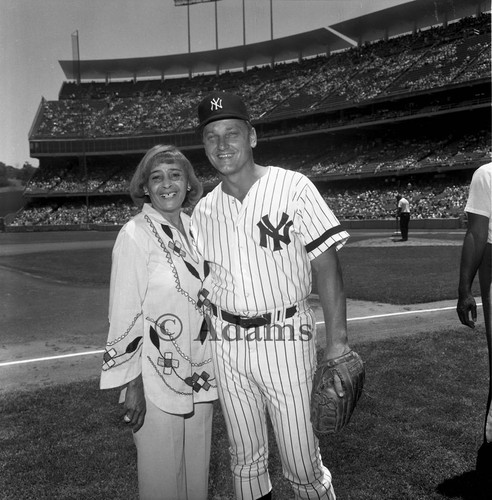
<point x="330" y="412"/>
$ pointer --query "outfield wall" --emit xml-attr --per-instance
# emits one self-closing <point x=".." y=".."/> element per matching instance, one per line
<point x="390" y="225"/>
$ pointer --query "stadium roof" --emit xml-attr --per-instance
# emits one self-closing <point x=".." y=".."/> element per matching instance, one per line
<point x="389" y="22"/>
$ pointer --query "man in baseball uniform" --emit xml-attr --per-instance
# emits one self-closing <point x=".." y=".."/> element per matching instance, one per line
<point x="262" y="230"/>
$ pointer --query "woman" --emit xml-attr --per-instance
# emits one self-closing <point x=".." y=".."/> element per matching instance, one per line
<point x="155" y="351"/>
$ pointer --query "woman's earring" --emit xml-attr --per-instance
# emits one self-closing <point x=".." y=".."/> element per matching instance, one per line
<point x="146" y="192"/>
<point x="188" y="188"/>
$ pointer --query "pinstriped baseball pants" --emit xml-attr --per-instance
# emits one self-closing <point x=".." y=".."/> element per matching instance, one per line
<point x="270" y="369"/>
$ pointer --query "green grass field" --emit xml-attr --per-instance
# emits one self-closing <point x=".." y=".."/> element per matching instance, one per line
<point x="413" y="436"/>
<point x="402" y="275"/>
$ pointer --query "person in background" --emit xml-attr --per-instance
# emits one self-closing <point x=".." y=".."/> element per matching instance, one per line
<point x="403" y="213"/>
<point x="155" y="351"/>
<point x="476" y="256"/>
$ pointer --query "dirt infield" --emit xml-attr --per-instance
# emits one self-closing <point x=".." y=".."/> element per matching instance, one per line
<point x="47" y="319"/>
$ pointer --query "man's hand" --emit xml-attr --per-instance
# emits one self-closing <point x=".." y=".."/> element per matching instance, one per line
<point x="466" y="305"/>
<point x="135" y="406"/>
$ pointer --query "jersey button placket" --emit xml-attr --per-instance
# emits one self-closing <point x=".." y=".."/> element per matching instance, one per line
<point x="242" y="253"/>
<point x="235" y="251"/>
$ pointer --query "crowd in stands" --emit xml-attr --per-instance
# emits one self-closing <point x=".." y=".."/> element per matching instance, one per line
<point x="407" y="154"/>
<point x="102" y="213"/>
<point x="376" y="156"/>
<point x="440" y="199"/>
<point x="428" y="59"/>
<point x="71" y="178"/>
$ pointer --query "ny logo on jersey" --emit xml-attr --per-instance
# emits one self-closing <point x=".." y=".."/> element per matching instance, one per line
<point x="215" y="104"/>
<point x="267" y="229"/>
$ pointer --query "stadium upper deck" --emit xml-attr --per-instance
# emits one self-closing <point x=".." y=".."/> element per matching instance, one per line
<point x="442" y="70"/>
<point x="409" y="17"/>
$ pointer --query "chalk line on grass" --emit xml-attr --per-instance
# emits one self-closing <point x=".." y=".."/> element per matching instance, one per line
<point x="401" y="313"/>
<point x="360" y="318"/>
<point x="51" y="358"/>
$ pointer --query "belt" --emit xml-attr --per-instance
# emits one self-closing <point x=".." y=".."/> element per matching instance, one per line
<point x="245" y="322"/>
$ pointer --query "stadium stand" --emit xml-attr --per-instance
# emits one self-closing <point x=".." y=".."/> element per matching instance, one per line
<point x="443" y="199"/>
<point x="430" y="59"/>
<point x="362" y="123"/>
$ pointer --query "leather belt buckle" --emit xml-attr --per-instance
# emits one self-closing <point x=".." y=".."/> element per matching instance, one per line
<point x="263" y="320"/>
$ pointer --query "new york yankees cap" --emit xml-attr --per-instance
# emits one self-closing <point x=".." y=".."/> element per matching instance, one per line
<point x="221" y="106"/>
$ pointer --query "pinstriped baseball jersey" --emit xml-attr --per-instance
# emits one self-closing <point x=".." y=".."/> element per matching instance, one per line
<point x="259" y="250"/>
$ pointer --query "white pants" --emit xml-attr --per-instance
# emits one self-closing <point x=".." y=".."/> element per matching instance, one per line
<point x="173" y="454"/>
<point x="265" y="373"/>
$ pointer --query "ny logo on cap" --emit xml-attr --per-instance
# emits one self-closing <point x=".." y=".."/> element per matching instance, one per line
<point x="215" y="104"/>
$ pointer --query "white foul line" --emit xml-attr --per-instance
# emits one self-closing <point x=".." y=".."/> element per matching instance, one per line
<point x="401" y="313"/>
<point x="50" y="358"/>
<point x="360" y="318"/>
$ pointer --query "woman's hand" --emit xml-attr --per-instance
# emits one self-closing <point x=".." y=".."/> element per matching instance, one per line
<point x="135" y="406"/>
